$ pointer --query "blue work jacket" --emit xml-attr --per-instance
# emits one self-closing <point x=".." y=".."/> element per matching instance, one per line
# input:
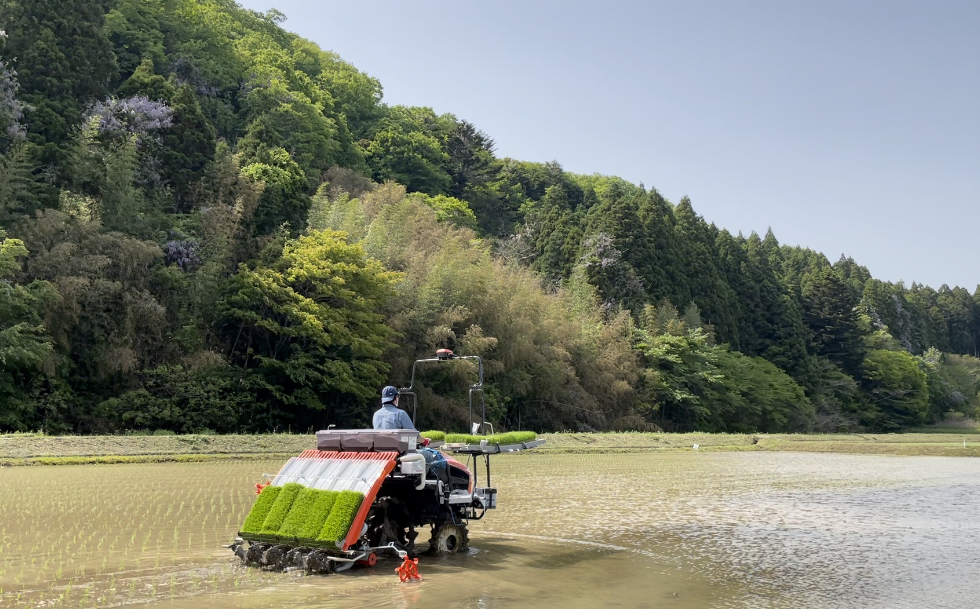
<point x="390" y="417"/>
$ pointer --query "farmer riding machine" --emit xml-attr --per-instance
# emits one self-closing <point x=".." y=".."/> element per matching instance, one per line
<point x="362" y="492"/>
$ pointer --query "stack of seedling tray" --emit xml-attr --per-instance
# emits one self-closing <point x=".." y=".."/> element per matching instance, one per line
<point x="503" y="442"/>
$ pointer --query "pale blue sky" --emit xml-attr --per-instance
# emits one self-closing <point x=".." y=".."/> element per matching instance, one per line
<point x="847" y="126"/>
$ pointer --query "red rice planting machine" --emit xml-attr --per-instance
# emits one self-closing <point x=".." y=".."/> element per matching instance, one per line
<point x="378" y="488"/>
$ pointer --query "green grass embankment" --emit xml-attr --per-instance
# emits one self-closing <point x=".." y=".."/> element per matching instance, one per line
<point x="34" y="449"/>
<point x="936" y="444"/>
<point x="38" y="449"/>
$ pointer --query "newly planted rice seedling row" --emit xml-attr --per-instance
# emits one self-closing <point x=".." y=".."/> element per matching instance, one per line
<point x="100" y="535"/>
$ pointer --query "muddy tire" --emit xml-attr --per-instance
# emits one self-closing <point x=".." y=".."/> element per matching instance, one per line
<point x="449" y="539"/>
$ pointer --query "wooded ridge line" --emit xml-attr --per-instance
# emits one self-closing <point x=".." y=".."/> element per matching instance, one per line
<point x="210" y="223"/>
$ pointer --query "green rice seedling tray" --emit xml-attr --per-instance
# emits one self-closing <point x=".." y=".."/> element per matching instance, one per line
<point x="511" y="437"/>
<point x="300" y="512"/>
<point x="281" y="508"/>
<point x="260" y="509"/>
<point x="321" y="510"/>
<point x="304" y="517"/>
<point x="341" y="516"/>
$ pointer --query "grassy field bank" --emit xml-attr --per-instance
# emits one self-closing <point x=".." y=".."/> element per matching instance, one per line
<point x="939" y="444"/>
<point x="36" y="449"/>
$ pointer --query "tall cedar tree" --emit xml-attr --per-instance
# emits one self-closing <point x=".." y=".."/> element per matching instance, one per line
<point x="188" y="146"/>
<point x="831" y="315"/>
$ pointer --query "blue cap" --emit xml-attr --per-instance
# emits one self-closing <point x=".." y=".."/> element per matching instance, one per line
<point x="388" y="394"/>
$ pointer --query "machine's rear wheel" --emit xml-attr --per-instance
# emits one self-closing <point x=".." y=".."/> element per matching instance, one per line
<point x="449" y="539"/>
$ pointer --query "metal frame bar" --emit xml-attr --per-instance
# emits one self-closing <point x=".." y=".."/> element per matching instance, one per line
<point x="475" y="388"/>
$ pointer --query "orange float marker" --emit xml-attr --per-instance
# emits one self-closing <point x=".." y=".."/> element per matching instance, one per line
<point x="409" y="570"/>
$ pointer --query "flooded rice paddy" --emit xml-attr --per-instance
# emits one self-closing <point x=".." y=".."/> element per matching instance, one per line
<point x="641" y="530"/>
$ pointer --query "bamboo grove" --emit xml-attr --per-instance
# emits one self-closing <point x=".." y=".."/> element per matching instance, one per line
<point x="209" y="223"/>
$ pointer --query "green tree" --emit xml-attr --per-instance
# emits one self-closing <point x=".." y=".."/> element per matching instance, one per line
<point x="147" y="83"/>
<point x="284" y="198"/>
<point x="852" y="274"/>
<point x="105" y="321"/>
<point x="694" y="385"/>
<point x="471" y="163"/>
<point x="952" y="388"/>
<point x="12" y="109"/>
<point x="136" y="32"/>
<point x="64" y="63"/>
<point x="699" y="260"/>
<point x="553" y="225"/>
<point x="24" y="342"/>
<point x="448" y="209"/>
<point x="961" y="317"/>
<point x="307" y="329"/>
<point x="615" y="279"/>
<point x="836" y="397"/>
<point x="182" y="400"/>
<point x="18" y="189"/>
<point x="831" y="314"/>
<point x="358" y="95"/>
<point x="302" y="130"/>
<point x="681" y="373"/>
<point x="107" y="173"/>
<point x="407" y="148"/>
<point x="897" y="388"/>
<point x="500" y="204"/>
<point x="188" y="146"/>
<point x="765" y="398"/>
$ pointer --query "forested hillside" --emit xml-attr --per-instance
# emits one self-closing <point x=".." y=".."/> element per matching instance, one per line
<point x="209" y="223"/>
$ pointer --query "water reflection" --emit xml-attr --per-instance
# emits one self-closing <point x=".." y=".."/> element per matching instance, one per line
<point x="640" y="530"/>
<point x="788" y="530"/>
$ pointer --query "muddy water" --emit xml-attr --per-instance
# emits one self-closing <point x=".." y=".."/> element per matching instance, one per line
<point x="654" y="530"/>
